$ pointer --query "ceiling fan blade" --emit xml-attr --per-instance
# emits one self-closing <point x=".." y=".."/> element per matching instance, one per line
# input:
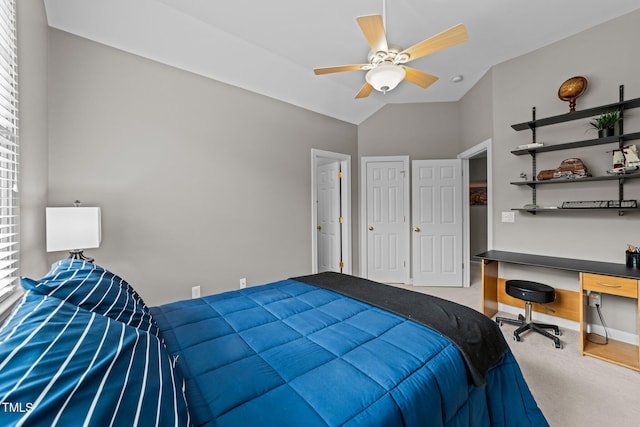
<point x="364" y="91"/>
<point x="451" y="37"/>
<point x="373" y="29"/>
<point x="418" y="77"/>
<point x="339" y="69"/>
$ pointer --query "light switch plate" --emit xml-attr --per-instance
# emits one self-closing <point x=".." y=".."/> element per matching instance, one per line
<point x="508" y="217"/>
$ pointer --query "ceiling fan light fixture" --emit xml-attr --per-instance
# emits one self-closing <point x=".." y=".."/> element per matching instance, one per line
<point x="385" y="77"/>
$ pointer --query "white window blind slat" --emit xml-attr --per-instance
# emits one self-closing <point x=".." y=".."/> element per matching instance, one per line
<point x="7" y="153"/>
<point x="8" y="277"/>
<point x="8" y="254"/>
<point x="5" y="264"/>
<point x="9" y="245"/>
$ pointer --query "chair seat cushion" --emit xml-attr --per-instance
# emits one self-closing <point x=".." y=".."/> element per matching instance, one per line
<point x="530" y="291"/>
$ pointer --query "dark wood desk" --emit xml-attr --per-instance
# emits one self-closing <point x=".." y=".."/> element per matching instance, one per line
<point x="595" y="276"/>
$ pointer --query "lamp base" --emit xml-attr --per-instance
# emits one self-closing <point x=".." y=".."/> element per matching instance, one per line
<point x="77" y="254"/>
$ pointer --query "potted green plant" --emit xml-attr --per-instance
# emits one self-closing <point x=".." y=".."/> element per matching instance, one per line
<point x="605" y="123"/>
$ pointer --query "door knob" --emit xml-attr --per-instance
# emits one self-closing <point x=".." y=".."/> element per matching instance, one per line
<point x="371" y="228"/>
<point x="319" y="227"/>
<point x="416" y="229"/>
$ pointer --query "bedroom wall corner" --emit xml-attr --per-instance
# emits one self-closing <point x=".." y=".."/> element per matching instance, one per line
<point x="476" y="113"/>
<point x="33" y="175"/>
<point x="200" y="183"/>
<point x="421" y="131"/>
<point x="532" y="80"/>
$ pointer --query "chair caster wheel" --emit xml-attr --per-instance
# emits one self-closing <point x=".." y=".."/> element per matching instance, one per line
<point x="516" y="338"/>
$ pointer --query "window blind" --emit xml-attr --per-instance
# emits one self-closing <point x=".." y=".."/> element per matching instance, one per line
<point x="8" y="150"/>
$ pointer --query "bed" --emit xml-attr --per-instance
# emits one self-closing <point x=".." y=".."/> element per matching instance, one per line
<point x="82" y="348"/>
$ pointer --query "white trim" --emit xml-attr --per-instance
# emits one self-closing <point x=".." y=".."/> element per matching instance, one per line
<point x="485" y="146"/>
<point x="363" y="210"/>
<point x="615" y="334"/>
<point x="345" y="163"/>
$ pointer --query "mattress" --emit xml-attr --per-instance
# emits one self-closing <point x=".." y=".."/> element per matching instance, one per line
<point x="291" y="353"/>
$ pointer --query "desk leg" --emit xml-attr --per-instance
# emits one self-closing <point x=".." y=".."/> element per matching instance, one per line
<point x="489" y="287"/>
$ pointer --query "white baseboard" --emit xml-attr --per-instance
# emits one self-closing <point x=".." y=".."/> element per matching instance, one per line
<point x="615" y="334"/>
<point x="541" y="317"/>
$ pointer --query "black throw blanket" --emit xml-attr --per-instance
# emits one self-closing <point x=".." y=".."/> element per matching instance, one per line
<point x="477" y="336"/>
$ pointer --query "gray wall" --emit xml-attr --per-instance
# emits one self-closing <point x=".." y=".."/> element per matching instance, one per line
<point x="421" y="131"/>
<point x="200" y="183"/>
<point x="505" y="96"/>
<point x="430" y="131"/>
<point x="165" y="153"/>
<point x="32" y="62"/>
<point x="476" y="113"/>
<point x="533" y="80"/>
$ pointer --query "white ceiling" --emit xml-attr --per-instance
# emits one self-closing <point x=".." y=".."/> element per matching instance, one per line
<point x="271" y="47"/>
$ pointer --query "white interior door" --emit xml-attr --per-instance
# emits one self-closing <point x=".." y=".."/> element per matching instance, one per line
<point x="387" y="239"/>
<point x="437" y="222"/>
<point x="328" y="192"/>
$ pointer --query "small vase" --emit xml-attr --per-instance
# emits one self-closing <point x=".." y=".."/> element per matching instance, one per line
<point x="603" y="133"/>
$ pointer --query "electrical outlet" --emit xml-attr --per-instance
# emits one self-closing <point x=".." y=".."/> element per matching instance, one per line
<point x="595" y="298"/>
<point x="195" y="292"/>
<point x="243" y="283"/>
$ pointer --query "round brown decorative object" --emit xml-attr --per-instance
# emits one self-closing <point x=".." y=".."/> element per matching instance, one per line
<point x="571" y="89"/>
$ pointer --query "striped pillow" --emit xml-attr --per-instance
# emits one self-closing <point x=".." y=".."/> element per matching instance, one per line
<point x="63" y="365"/>
<point x="95" y="289"/>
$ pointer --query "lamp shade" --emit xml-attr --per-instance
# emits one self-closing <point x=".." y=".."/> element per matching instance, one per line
<point x="73" y="228"/>
<point x="385" y="77"/>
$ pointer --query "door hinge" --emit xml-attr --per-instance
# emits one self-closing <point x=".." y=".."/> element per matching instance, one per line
<point x="340" y="220"/>
<point x="341" y="265"/>
<point x="340" y="175"/>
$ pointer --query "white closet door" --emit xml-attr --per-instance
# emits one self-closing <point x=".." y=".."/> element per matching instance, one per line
<point x="437" y="222"/>
<point x="386" y="228"/>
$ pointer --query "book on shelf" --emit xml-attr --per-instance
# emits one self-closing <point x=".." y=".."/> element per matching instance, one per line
<point x="528" y="146"/>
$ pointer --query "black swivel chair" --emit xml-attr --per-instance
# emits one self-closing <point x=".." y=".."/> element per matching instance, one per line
<point x="530" y="292"/>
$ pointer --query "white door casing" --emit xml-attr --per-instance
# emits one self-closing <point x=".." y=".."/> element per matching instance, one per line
<point x="386" y="226"/>
<point x="320" y="158"/>
<point x="478" y="149"/>
<point x="437" y="238"/>
<point x="329" y="257"/>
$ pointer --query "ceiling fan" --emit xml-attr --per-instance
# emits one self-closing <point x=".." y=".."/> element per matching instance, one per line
<point x="386" y="69"/>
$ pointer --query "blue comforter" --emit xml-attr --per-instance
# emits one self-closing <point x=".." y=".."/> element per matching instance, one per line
<point x="292" y="354"/>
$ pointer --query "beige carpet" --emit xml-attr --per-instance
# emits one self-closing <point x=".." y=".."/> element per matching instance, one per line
<point x="571" y="390"/>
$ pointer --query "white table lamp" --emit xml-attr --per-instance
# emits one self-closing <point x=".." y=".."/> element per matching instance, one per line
<point x="73" y="229"/>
